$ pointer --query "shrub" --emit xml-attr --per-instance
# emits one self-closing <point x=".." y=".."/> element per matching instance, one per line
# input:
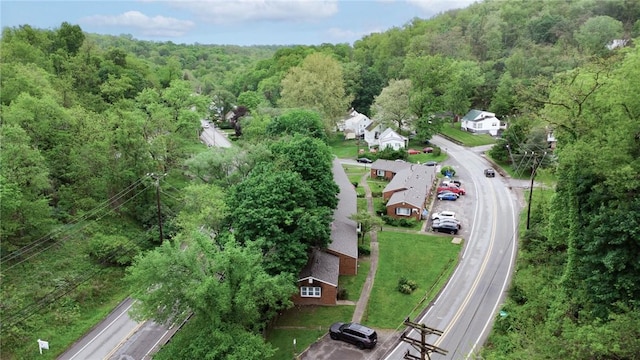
<point x="364" y="250"/>
<point x="343" y="294"/>
<point x="113" y="249"/>
<point x="446" y="169"/>
<point x="403" y="222"/>
<point x="406" y="286"/>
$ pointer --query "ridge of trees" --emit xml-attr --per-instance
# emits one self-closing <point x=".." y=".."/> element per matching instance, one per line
<point x="85" y="117"/>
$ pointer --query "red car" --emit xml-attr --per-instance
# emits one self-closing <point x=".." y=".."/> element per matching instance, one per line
<point x="414" y="152"/>
<point x="453" y="189"/>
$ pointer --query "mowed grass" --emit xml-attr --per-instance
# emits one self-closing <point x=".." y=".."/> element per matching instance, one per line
<point x="306" y="324"/>
<point x="466" y="138"/>
<point x="345" y="149"/>
<point x="426" y="259"/>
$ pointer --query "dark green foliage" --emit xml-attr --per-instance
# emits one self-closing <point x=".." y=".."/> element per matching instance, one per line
<point x="448" y="170"/>
<point x="389" y="153"/>
<point x="364" y="250"/>
<point x="406" y="286"/>
<point x="302" y="122"/>
<point x="401" y="222"/>
<point x="343" y="294"/>
<point x="113" y="249"/>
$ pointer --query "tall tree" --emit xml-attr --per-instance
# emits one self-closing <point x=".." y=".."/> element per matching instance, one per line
<point x="393" y="107"/>
<point x="317" y="84"/>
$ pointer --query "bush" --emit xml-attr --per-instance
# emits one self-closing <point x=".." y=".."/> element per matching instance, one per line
<point x="398" y="222"/>
<point x="446" y="169"/>
<point x="113" y="249"/>
<point x="343" y="294"/>
<point x="364" y="250"/>
<point x="406" y="286"/>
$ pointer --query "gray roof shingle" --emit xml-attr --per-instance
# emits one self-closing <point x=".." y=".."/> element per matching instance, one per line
<point x="321" y="266"/>
<point x="411" y="185"/>
<point x="344" y="235"/>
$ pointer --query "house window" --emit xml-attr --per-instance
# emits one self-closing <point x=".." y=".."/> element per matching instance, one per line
<point x="479" y="126"/>
<point x="403" y="211"/>
<point x="310" y="291"/>
<point x="380" y="172"/>
<point x="494" y="124"/>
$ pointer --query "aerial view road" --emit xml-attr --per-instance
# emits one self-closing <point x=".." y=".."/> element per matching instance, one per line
<point x="468" y="305"/>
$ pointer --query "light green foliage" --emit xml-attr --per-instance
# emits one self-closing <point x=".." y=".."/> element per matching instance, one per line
<point x="317" y="84"/>
<point x="220" y="282"/>
<point x="367" y="222"/>
<point x="597" y="32"/>
<point x="250" y="99"/>
<point x="204" y="208"/>
<point x="392" y="106"/>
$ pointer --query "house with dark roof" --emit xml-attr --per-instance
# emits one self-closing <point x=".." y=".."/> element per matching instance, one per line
<point x="407" y="192"/>
<point x="318" y="280"/>
<point x="386" y="169"/>
<point x="482" y="122"/>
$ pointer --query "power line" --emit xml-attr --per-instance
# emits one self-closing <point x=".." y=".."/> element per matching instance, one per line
<point x="75" y="230"/>
<point x="28" y="248"/>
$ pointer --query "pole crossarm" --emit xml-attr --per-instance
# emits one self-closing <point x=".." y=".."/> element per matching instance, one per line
<point x="421" y="345"/>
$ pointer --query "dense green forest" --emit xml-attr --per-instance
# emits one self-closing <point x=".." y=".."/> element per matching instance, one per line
<point x="95" y="128"/>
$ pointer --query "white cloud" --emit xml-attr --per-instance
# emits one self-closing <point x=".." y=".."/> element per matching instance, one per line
<point x="347" y="35"/>
<point x="149" y="26"/>
<point x="234" y="11"/>
<point x="434" y="7"/>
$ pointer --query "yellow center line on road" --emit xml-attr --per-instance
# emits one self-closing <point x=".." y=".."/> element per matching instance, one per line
<point x="478" y="276"/>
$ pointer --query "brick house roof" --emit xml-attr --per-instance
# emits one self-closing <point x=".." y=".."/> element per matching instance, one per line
<point x="321" y="266"/>
<point x="344" y="235"/>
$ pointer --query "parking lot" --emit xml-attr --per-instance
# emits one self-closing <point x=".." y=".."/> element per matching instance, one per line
<point x="326" y="348"/>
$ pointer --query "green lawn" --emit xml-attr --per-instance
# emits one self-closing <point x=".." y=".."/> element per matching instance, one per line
<point x="466" y="138"/>
<point x="345" y="149"/>
<point x="426" y="259"/>
<point x="353" y="284"/>
<point x="401" y="254"/>
<point x="306" y="324"/>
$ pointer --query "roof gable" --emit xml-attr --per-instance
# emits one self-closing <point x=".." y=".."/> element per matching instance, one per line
<point x="321" y="266"/>
<point x="478" y="115"/>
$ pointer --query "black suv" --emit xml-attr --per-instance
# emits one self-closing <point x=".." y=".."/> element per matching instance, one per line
<point x="360" y="335"/>
<point x="448" y="227"/>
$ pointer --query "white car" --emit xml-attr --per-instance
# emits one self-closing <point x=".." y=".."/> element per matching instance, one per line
<point x="205" y="125"/>
<point x="443" y="214"/>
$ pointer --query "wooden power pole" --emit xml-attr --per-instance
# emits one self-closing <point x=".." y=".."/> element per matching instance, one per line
<point x="421" y="345"/>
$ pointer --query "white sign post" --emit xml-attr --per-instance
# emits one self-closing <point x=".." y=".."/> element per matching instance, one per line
<point x="43" y="345"/>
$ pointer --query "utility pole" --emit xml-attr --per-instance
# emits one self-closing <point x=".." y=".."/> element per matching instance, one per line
<point x="536" y="165"/>
<point x="421" y="345"/>
<point x="157" y="178"/>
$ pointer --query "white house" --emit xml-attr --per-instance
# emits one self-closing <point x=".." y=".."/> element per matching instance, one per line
<point x="482" y="122"/>
<point x="387" y="138"/>
<point x="355" y="124"/>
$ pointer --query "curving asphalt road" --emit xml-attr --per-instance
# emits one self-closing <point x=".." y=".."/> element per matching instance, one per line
<point x="466" y="308"/>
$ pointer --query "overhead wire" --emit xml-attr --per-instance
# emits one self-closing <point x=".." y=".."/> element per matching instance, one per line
<point x="56" y="233"/>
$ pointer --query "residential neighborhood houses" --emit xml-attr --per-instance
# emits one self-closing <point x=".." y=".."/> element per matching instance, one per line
<point x="482" y="122"/>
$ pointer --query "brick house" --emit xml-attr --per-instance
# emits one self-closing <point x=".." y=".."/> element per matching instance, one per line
<point x="386" y="169"/>
<point x="407" y="192"/>
<point x="318" y="280"/>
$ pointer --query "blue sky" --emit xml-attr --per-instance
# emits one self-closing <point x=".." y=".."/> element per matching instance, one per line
<point x="221" y="22"/>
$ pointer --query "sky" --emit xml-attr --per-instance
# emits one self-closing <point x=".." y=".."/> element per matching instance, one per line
<point x="227" y="22"/>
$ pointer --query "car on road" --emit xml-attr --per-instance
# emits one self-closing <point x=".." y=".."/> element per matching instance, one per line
<point x="354" y="333"/>
<point x="427" y="150"/>
<point x="413" y="152"/>
<point x="453" y="189"/>
<point x="489" y="172"/>
<point x="448" y="196"/>
<point x="364" y="160"/>
<point x="205" y="125"/>
<point x="446" y="227"/>
<point x="443" y="214"/>
<point x="431" y="163"/>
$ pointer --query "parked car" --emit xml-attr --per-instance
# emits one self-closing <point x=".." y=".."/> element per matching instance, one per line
<point x="427" y="150"/>
<point x="450" y="181"/>
<point x="454" y="189"/>
<point x="364" y="160"/>
<point x="447" y="227"/>
<point x="431" y="163"/>
<point x="354" y="333"/>
<point x="413" y="152"/>
<point x="489" y="172"/>
<point x="456" y="222"/>
<point x="443" y="214"/>
<point x="205" y="125"/>
<point x="448" y="196"/>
